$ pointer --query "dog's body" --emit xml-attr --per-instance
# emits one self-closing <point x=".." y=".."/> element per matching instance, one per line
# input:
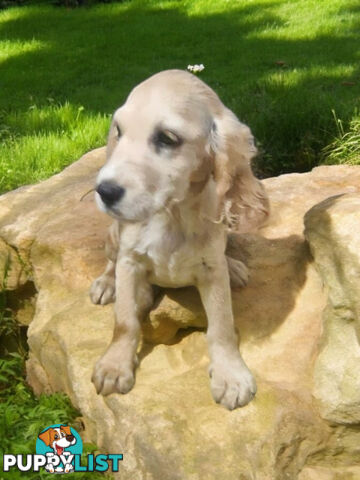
<point x="177" y="179"/>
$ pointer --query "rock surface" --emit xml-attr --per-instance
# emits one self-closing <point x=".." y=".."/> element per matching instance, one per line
<point x="168" y="426"/>
<point x="332" y="229"/>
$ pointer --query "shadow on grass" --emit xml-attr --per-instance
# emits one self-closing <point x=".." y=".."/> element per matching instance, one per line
<point x="284" y="87"/>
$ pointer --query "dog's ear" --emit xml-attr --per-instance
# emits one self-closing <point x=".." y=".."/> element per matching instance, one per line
<point x="66" y="429"/>
<point x="243" y="201"/>
<point x="45" y="436"/>
<point x="113" y="137"/>
<point x="201" y="175"/>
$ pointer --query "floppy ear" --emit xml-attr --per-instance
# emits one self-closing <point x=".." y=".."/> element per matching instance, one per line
<point x="45" y="436"/>
<point x="243" y="201"/>
<point x="112" y="138"/>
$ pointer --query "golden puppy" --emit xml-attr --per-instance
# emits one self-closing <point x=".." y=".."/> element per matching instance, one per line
<point x="177" y="180"/>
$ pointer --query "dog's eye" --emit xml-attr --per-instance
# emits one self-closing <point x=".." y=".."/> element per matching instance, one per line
<point x="166" y="138"/>
<point x="118" y="131"/>
<point x="56" y="436"/>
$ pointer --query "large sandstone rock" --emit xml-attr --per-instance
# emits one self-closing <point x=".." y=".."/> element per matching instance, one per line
<point x="333" y="231"/>
<point x="168" y="426"/>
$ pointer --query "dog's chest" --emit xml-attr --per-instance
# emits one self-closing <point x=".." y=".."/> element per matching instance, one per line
<point x="178" y="268"/>
<point x="171" y="258"/>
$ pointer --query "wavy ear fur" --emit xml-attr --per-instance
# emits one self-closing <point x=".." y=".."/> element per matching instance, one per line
<point x="243" y="200"/>
<point x="112" y="139"/>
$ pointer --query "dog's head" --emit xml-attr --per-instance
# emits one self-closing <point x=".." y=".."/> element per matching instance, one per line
<point x="167" y="141"/>
<point x="58" y="438"/>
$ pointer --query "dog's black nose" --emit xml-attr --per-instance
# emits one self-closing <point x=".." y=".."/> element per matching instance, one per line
<point x="110" y="192"/>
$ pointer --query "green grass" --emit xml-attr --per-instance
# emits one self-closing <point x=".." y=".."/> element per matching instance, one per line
<point x="64" y="71"/>
<point x="43" y="140"/>
<point x="345" y="149"/>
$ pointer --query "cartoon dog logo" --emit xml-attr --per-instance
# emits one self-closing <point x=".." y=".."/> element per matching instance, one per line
<point x="58" y="439"/>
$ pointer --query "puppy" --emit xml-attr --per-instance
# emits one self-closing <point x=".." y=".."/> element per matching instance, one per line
<point x="177" y="180"/>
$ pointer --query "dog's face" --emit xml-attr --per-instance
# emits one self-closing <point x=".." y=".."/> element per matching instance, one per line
<point x="58" y="438"/>
<point x="165" y="142"/>
<point x="157" y="148"/>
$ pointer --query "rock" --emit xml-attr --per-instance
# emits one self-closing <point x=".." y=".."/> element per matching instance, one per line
<point x="168" y="426"/>
<point x="332" y="229"/>
<point x="334" y="473"/>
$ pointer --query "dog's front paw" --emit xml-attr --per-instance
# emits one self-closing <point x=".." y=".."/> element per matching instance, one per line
<point x="102" y="290"/>
<point x="238" y="272"/>
<point x="111" y="376"/>
<point x="232" y="383"/>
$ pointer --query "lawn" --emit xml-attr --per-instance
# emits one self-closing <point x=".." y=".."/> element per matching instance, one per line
<point x="282" y="66"/>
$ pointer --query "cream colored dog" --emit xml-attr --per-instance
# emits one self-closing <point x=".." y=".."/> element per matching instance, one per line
<point x="177" y="180"/>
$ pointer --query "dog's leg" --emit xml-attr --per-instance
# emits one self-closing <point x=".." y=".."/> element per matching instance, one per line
<point x="232" y="383"/>
<point x="102" y="290"/>
<point x="114" y="371"/>
<point x="238" y="272"/>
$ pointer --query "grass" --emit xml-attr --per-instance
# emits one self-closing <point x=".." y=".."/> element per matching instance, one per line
<point x="281" y="65"/>
<point x="43" y="140"/>
<point x="345" y="148"/>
